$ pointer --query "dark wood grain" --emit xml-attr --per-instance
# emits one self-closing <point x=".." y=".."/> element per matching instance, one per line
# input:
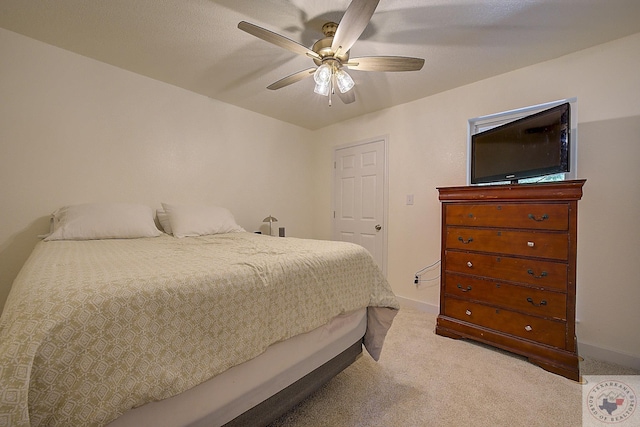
<point x="509" y="269"/>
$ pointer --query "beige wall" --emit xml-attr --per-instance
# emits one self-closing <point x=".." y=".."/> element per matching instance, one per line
<point x="427" y="149"/>
<point x="75" y="130"/>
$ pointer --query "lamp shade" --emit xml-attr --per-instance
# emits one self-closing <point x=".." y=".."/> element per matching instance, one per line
<point x="270" y="219"/>
<point x="321" y="89"/>
<point x="323" y="74"/>
<point x="345" y="82"/>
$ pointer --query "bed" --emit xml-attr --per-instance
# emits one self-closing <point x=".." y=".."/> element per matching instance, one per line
<point x="228" y="328"/>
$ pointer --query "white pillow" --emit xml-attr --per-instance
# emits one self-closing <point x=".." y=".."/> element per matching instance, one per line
<point x="103" y="221"/>
<point x="163" y="219"/>
<point x="200" y="220"/>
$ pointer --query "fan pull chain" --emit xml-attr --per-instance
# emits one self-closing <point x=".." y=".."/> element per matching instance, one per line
<point x="330" y="90"/>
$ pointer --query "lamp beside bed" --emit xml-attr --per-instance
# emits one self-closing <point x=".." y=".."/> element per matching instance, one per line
<point x="270" y="219"/>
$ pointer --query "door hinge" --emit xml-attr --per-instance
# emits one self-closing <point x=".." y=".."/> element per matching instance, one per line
<point x="334" y="165"/>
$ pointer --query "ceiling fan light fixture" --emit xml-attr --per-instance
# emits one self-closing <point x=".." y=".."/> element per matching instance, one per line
<point x="344" y="80"/>
<point x="322" y="89"/>
<point x="331" y="53"/>
<point x="322" y="76"/>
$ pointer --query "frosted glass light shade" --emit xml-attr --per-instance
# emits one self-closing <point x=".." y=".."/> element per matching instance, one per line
<point x="321" y="89"/>
<point x="344" y="80"/>
<point x="322" y="75"/>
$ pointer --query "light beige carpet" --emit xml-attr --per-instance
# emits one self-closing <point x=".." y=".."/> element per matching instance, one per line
<point x="423" y="379"/>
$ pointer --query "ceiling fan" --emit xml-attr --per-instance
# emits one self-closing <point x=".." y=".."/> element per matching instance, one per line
<point x="331" y="53"/>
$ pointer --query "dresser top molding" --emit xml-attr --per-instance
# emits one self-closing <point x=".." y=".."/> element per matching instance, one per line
<point x="561" y="190"/>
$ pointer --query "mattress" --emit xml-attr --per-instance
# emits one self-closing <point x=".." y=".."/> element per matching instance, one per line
<point x="94" y="328"/>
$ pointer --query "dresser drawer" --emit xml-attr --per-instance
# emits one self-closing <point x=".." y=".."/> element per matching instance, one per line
<point x="528" y="243"/>
<point x="542" y="274"/>
<point x="544" y="331"/>
<point x="539" y="216"/>
<point x="519" y="298"/>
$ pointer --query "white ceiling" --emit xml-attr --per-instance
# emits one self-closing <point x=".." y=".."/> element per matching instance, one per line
<point x="196" y="45"/>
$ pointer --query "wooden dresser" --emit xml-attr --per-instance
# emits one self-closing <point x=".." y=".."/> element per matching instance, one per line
<point x="509" y="269"/>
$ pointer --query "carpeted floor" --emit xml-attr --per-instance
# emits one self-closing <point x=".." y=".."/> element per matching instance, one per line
<point x="423" y="379"/>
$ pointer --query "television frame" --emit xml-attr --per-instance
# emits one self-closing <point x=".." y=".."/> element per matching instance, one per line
<point x="485" y="123"/>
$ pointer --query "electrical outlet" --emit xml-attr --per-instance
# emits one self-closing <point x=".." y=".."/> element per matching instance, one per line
<point x="409" y="199"/>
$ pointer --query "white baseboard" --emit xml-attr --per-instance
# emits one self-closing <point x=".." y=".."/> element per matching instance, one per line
<point x="584" y="349"/>
<point x="418" y="305"/>
<point x="608" y="355"/>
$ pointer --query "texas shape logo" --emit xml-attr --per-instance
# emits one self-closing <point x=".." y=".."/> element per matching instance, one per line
<point x="611" y="401"/>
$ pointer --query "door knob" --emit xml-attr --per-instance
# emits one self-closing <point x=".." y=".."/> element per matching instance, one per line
<point x="378" y="227"/>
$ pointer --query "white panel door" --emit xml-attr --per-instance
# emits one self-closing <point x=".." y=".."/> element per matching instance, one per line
<point x="359" y="197"/>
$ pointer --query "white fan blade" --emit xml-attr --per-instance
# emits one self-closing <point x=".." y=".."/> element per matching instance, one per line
<point x="293" y="78"/>
<point x="352" y="24"/>
<point x="277" y="39"/>
<point x="385" y="63"/>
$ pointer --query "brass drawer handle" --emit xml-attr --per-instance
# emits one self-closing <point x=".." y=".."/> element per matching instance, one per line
<point x="469" y="240"/>
<point x="543" y="274"/>
<point x="468" y="312"/>
<point x="542" y="218"/>
<point x="543" y="302"/>
<point x="528" y="328"/>
<point x="464" y="290"/>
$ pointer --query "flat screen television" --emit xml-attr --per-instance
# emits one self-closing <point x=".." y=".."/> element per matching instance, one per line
<point x="532" y="146"/>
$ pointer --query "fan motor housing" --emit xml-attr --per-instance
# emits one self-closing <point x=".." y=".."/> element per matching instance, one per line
<point x="323" y="46"/>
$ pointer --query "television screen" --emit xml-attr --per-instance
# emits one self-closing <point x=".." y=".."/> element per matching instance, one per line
<point x="532" y="146"/>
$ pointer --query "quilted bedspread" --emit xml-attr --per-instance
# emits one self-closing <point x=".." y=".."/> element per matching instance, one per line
<point x="93" y="328"/>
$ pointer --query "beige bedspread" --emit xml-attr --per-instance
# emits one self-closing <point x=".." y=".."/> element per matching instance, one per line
<point x="93" y="328"/>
